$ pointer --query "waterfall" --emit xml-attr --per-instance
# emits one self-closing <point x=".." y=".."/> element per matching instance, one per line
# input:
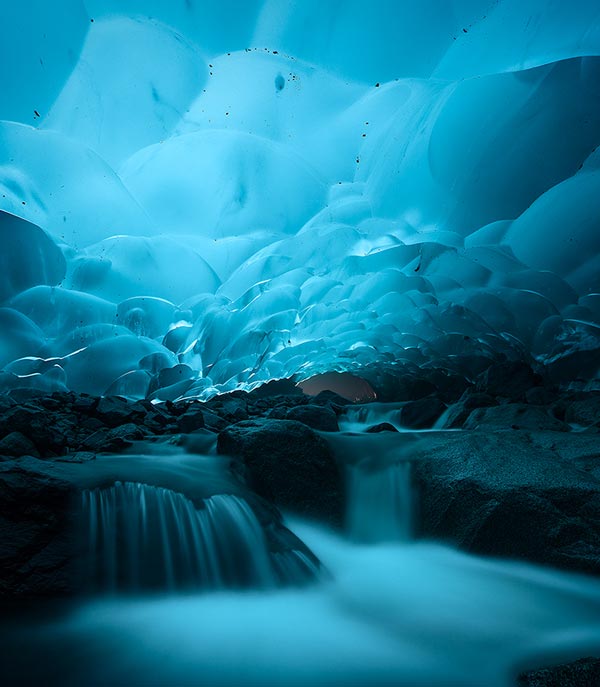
<point x="145" y="537"/>
<point x="380" y="502"/>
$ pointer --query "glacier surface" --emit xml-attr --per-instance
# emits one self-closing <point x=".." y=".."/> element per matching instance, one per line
<point x="198" y="197"/>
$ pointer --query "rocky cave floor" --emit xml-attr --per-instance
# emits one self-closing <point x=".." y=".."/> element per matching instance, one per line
<point x="520" y="480"/>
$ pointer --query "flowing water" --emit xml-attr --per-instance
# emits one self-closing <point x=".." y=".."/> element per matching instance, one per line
<point x="149" y="537"/>
<point x="385" y="611"/>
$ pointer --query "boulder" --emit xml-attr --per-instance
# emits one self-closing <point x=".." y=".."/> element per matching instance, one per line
<point x="36" y="520"/>
<point x="458" y="412"/>
<point x="289" y="464"/>
<point x="17" y="445"/>
<point x="585" y="411"/>
<point x="190" y="421"/>
<point x="112" y="440"/>
<point x="422" y="413"/>
<point x="527" y="495"/>
<point x="514" y="416"/>
<point x="381" y="427"/>
<point x="315" y="416"/>
<point x="114" y="411"/>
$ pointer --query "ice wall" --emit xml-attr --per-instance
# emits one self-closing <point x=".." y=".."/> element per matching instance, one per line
<point x="201" y="196"/>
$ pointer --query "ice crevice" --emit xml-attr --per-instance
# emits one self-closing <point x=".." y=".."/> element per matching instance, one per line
<point x="276" y="192"/>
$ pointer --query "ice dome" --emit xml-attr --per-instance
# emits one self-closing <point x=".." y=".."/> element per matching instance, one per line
<point x="200" y="197"/>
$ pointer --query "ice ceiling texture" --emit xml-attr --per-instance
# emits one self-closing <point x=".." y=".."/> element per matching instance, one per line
<point x="202" y="196"/>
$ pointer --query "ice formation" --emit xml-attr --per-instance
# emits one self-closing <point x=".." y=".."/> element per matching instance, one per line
<point x="198" y="197"/>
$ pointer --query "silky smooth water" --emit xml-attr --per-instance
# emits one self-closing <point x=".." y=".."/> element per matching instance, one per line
<point x="390" y="614"/>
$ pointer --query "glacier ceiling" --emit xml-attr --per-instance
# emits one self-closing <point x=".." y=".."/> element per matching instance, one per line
<point x="201" y="196"/>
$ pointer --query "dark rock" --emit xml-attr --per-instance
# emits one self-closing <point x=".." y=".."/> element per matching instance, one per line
<point x="113" y="440"/>
<point x="35" y="525"/>
<point x="113" y="411"/>
<point x="582" y="673"/>
<point x="331" y="397"/>
<point x="76" y="457"/>
<point x="190" y="421"/>
<point x="84" y="404"/>
<point x="422" y="413"/>
<point x="213" y="422"/>
<point x="540" y="396"/>
<point x="277" y="387"/>
<point x="381" y="427"/>
<point x="290" y="465"/>
<point x="315" y="416"/>
<point x="585" y="411"/>
<point x="47" y="431"/>
<point x="457" y="413"/>
<point x="278" y="413"/>
<point x="17" y="445"/>
<point x="514" y="416"/>
<point x="91" y="424"/>
<point x="510" y="379"/>
<point x="527" y="495"/>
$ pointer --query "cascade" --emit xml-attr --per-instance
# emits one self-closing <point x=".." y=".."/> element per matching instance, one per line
<point x="145" y="537"/>
<point x="380" y="503"/>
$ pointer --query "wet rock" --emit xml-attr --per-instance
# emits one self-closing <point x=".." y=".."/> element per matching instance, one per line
<point x="36" y="519"/>
<point x="527" y="495"/>
<point x="458" y="412"/>
<point x="113" y="440"/>
<point x="290" y="465"/>
<point x="422" y="413"/>
<point x="514" y="416"/>
<point x="318" y="417"/>
<point x="76" y="457"/>
<point x="381" y="427"/>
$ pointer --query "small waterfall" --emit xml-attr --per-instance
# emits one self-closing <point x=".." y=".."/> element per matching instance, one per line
<point x="358" y="418"/>
<point x="145" y="537"/>
<point x="380" y="503"/>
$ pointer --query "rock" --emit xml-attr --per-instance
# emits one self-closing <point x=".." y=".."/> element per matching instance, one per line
<point x="36" y="516"/>
<point x="48" y="431"/>
<point x="213" y="422"/>
<point x="585" y="411"/>
<point x="331" y="397"/>
<point x="514" y="416"/>
<point x="290" y="465"/>
<point x="422" y="413"/>
<point x="540" y="396"/>
<point x="582" y="673"/>
<point x="381" y="427"/>
<point x="17" y="445"/>
<point x="113" y="440"/>
<point x="527" y="495"/>
<point x="77" y="457"/>
<point x="190" y="421"/>
<point x="315" y="416"/>
<point x="457" y="414"/>
<point x="113" y="411"/>
<point x="510" y="379"/>
<point x="278" y="413"/>
<point x="277" y="387"/>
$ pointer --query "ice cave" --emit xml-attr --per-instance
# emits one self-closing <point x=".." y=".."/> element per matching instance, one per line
<point x="300" y="343"/>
